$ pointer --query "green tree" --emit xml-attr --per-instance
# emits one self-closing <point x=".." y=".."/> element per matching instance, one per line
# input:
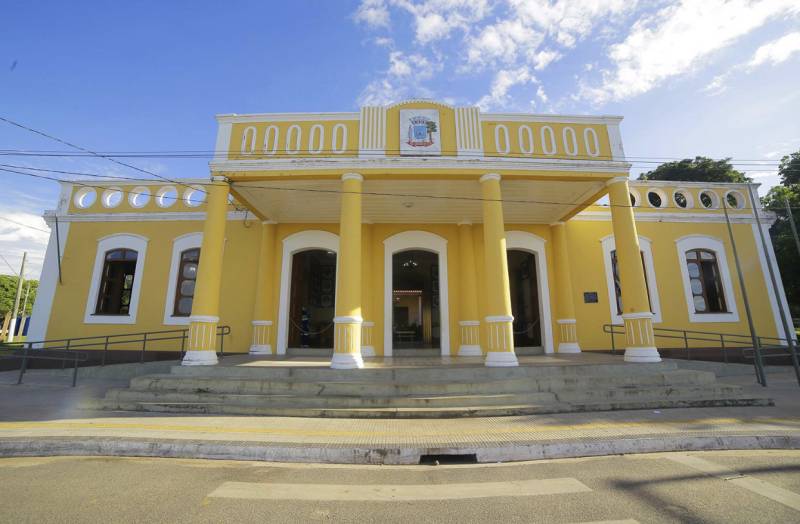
<point x="699" y="169"/>
<point x="8" y="292"/>
<point x="781" y="232"/>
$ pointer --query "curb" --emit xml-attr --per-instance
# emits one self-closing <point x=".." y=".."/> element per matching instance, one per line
<point x="226" y="450"/>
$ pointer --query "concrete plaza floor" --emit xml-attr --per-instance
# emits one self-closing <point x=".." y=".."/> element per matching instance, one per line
<point x="44" y="416"/>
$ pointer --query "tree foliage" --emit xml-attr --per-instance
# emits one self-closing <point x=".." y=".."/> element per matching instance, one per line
<point x="8" y="292"/>
<point x="699" y="169"/>
<point x="781" y="232"/>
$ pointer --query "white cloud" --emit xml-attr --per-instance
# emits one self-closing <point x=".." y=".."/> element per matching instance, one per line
<point x="503" y="81"/>
<point x="541" y="94"/>
<point x="17" y="235"/>
<point x="373" y="13"/>
<point x="777" y="51"/>
<point x="773" y="53"/>
<point x="675" y="39"/>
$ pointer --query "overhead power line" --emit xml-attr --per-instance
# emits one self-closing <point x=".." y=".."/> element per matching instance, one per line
<point x="23" y="225"/>
<point x="85" y="150"/>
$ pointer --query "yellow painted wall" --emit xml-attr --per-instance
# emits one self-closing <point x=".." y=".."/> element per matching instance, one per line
<point x="238" y="129"/>
<point x="492" y="148"/>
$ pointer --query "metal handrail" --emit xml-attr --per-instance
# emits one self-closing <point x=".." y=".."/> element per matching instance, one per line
<point x="726" y="341"/>
<point x="105" y="341"/>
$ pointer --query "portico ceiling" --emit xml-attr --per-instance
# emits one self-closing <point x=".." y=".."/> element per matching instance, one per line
<point x="416" y="201"/>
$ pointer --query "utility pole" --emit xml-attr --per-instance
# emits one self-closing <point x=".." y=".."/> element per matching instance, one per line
<point x="13" y="323"/>
<point x="791" y="223"/>
<point x="25" y="301"/>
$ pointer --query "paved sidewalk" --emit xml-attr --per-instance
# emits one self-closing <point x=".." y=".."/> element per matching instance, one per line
<point x="43" y="417"/>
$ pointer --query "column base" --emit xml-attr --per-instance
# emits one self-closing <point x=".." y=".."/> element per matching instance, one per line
<point x="347" y="361"/>
<point x="367" y="351"/>
<point x="569" y="347"/>
<point x="199" y="358"/>
<point x="261" y="349"/>
<point x="469" y="350"/>
<point x="501" y="359"/>
<point x="642" y="355"/>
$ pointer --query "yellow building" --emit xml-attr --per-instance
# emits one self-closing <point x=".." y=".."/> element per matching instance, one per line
<point x="404" y="228"/>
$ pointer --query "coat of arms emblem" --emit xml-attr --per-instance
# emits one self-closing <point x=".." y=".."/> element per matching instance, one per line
<point x="419" y="132"/>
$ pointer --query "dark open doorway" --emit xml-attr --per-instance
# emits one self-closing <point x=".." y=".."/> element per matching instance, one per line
<point x="524" y="286"/>
<point x="416" y="311"/>
<point x="312" y="299"/>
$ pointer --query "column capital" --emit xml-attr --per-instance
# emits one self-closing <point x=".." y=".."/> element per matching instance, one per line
<point x="616" y="180"/>
<point x="559" y="223"/>
<point x="489" y="176"/>
<point x="352" y="176"/>
<point x="465" y="223"/>
<point x="219" y="178"/>
<point x="269" y="222"/>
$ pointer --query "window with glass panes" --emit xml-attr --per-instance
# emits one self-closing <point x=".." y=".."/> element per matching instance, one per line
<point x="116" y="286"/>
<point x="184" y="288"/>
<point x="705" y="281"/>
<point x="618" y="289"/>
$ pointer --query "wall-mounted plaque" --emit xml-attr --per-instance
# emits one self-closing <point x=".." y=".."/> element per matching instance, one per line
<point x="590" y="297"/>
<point x="419" y="132"/>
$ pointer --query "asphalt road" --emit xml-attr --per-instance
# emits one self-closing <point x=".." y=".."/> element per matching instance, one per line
<point x="727" y="486"/>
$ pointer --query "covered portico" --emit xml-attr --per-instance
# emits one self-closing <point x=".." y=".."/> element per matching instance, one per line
<point x="484" y="206"/>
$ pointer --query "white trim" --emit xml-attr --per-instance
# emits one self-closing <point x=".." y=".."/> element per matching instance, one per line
<point x="608" y="245"/>
<point x="524" y="241"/>
<point x="615" y="141"/>
<point x="781" y="294"/>
<point x="489" y="176"/>
<point x="686" y="194"/>
<point x="300" y="241"/>
<point x="430" y="163"/>
<point x="566" y="119"/>
<point x="425" y="241"/>
<point x="661" y="194"/>
<point x="199" y="216"/>
<point x="223" y="140"/>
<point x="652" y="216"/>
<point x="284" y="117"/>
<point x="137" y="243"/>
<point x="688" y="242"/>
<point x="179" y="245"/>
<point x="48" y="281"/>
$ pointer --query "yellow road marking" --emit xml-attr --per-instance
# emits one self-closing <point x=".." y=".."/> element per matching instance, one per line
<point x="455" y="430"/>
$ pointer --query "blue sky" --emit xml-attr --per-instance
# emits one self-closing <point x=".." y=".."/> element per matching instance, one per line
<point x="711" y="77"/>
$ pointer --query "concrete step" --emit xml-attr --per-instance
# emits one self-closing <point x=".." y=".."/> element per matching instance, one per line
<point x="309" y="352"/>
<point x="411" y="373"/>
<point x="383" y="388"/>
<point x="427" y="412"/>
<point x="336" y="402"/>
<point x="419" y="353"/>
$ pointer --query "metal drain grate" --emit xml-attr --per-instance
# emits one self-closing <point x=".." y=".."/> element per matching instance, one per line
<point x="454" y="458"/>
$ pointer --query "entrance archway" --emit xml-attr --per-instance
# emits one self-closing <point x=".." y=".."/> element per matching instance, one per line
<point x="311" y="299"/>
<point x="423" y="248"/>
<point x="530" y="243"/>
<point x="524" y="287"/>
<point x="304" y="241"/>
<point x="415" y="300"/>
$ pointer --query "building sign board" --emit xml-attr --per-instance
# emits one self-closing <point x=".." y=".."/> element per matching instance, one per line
<point x="419" y="132"/>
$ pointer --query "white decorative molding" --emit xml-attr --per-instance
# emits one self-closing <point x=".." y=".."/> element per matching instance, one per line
<point x="615" y="142"/>
<point x="199" y="216"/>
<point x="469" y="136"/>
<point x="372" y="131"/>
<point x="524" y="241"/>
<point x="105" y="244"/>
<point x="223" y="140"/>
<point x="301" y="241"/>
<point x="48" y="282"/>
<point x="407" y="241"/>
<point x="179" y="245"/>
<point x="608" y="244"/>
<point x="284" y="117"/>
<point x="688" y="242"/>
<point x="542" y="118"/>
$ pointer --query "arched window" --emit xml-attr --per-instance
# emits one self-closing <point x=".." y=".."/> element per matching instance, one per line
<point x="116" y="285"/>
<point x="618" y="288"/>
<point x="705" y="281"/>
<point x="187" y="276"/>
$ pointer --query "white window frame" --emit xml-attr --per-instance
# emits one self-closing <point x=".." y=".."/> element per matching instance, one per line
<point x="645" y="245"/>
<point x="179" y="245"/>
<point x="689" y="242"/>
<point x="131" y="241"/>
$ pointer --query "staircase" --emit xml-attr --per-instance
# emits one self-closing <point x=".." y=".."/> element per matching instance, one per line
<point x="423" y="391"/>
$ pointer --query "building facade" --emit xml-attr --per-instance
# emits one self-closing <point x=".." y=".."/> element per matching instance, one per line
<point x="409" y="226"/>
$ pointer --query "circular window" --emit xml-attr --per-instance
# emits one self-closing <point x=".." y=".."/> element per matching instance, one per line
<point x="85" y="197"/>
<point x="634" y="198"/>
<point x="139" y="197"/>
<point x="683" y="198"/>
<point x="166" y="196"/>
<point x="112" y="197"/>
<point x="194" y="196"/>
<point x="656" y="198"/>
<point x="734" y="199"/>
<point x="709" y="199"/>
